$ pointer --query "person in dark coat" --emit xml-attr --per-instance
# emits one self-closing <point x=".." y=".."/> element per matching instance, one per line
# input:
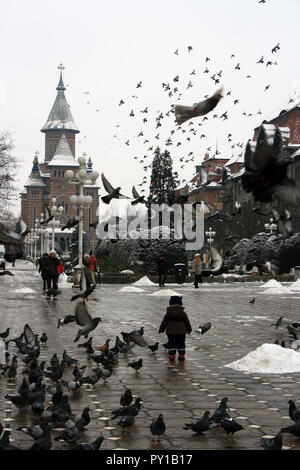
<point x="44" y="273"/>
<point x="176" y="324"/>
<point x="50" y="266"/>
<point x="162" y="270"/>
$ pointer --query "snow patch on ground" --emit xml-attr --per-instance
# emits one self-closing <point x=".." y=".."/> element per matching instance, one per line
<point x="144" y="281"/>
<point x="295" y="285"/>
<point x="269" y="359"/>
<point x="271" y="283"/>
<point x="24" y="290"/>
<point x="277" y="290"/>
<point x="165" y="293"/>
<point x="131" y="289"/>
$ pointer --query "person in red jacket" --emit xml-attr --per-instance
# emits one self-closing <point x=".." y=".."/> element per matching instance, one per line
<point x="92" y="263"/>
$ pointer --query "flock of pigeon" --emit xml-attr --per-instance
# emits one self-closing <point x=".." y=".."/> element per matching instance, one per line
<point x="175" y="89"/>
<point x="32" y="390"/>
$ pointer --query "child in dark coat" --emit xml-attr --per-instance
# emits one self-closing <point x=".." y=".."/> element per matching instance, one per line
<point x="176" y="324"/>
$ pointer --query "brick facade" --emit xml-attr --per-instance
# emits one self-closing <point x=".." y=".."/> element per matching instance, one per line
<point x="290" y="119"/>
<point x="53" y="184"/>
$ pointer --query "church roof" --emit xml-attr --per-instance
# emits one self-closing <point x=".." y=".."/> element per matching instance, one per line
<point x="63" y="155"/>
<point x="35" y="179"/>
<point x="60" y="116"/>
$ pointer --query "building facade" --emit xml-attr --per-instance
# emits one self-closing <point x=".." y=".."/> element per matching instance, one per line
<point x="47" y="181"/>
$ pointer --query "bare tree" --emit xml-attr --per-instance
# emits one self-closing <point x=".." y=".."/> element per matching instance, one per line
<point x="8" y="220"/>
<point x="8" y="168"/>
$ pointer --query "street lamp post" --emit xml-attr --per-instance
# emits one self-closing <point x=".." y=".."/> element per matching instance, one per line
<point x="210" y="234"/>
<point x="54" y="223"/>
<point x="270" y="226"/>
<point x="35" y="236"/>
<point x="79" y="178"/>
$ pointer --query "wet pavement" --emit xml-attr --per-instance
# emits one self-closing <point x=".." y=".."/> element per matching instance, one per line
<point x="183" y="391"/>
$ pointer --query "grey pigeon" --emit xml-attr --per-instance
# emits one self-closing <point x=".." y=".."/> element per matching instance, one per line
<point x="95" y="445"/>
<point x="126" y="398"/>
<point x="85" y="287"/>
<point x="84" y="319"/>
<point x="153" y="347"/>
<point x="126" y="422"/>
<point x="136" y="364"/>
<point x="204" y="328"/>
<point x="294" y="429"/>
<point x="184" y="113"/>
<point x="158" y="427"/>
<point x="5" y="333"/>
<point x="221" y="412"/>
<point x="132" y="410"/>
<point x="278" y="323"/>
<point x="272" y="443"/>
<point x="294" y="413"/>
<point x="230" y="426"/>
<point x="201" y="425"/>
<point x="113" y="193"/>
<point x="5" y="443"/>
<point x="72" y="434"/>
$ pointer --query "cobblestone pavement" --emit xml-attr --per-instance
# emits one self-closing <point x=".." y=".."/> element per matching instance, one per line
<point x="183" y="391"/>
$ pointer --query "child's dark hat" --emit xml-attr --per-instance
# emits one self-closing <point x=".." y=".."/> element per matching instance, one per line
<point x="175" y="300"/>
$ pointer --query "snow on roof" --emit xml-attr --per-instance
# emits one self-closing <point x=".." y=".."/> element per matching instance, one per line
<point x="238" y="174"/>
<point x="60" y="116"/>
<point x="35" y="179"/>
<point x="235" y="159"/>
<point x="63" y="155"/>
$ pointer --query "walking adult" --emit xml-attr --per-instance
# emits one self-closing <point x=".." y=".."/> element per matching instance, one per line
<point x="92" y="263"/>
<point x="51" y="268"/>
<point x="43" y="269"/>
<point x="162" y="270"/>
<point x="197" y="270"/>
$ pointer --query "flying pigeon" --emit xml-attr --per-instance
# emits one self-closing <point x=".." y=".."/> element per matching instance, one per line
<point x="48" y="216"/>
<point x="184" y="113"/>
<point x="113" y="193"/>
<point x="84" y="319"/>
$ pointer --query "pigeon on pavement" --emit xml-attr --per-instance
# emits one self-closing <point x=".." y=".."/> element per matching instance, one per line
<point x="201" y="425"/>
<point x="158" y="427"/>
<point x="272" y="443"/>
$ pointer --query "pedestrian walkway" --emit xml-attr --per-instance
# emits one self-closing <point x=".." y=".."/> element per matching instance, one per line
<point x="183" y="391"/>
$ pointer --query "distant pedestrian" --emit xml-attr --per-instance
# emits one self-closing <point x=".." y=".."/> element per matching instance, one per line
<point x="92" y="264"/>
<point x="176" y="324"/>
<point x="43" y="269"/>
<point x="51" y="267"/>
<point x="197" y="269"/>
<point x="162" y="270"/>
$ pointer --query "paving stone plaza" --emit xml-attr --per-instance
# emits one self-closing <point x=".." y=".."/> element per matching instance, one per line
<point x="183" y="391"/>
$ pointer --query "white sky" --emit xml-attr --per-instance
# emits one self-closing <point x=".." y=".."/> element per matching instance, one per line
<point x="108" y="47"/>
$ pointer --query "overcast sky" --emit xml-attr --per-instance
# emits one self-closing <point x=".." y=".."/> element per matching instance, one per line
<point x="108" y="47"/>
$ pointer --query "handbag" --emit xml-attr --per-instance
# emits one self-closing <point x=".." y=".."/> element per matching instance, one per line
<point x="60" y="269"/>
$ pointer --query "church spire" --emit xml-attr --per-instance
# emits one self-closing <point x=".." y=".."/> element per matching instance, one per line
<point x="35" y="179"/>
<point x="61" y="85"/>
<point x="60" y="117"/>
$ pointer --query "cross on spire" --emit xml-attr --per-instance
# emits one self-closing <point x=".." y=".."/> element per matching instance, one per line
<point x="61" y="68"/>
